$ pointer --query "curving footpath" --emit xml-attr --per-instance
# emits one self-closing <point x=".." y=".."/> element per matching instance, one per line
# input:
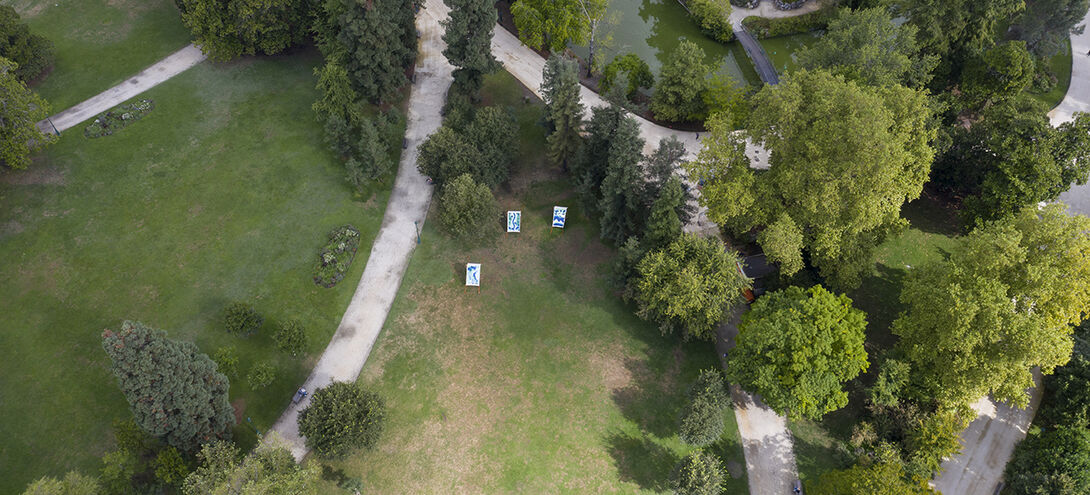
<point x="990" y="439"/>
<point x="347" y="351"/>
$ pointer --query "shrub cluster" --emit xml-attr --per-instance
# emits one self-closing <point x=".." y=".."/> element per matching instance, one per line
<point x="242" y="319"/>
<point x="118" y="118"/>
<point x="702" y="419"/>
<point x="341" y="418"/>
<point x="32" y="53"/>
<point x="336" y="256"/>
<point x="713" y="17"/>
<point x="761" y="27"/>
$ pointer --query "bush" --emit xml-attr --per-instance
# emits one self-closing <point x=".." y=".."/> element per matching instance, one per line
<point x="1054" y="459"/>
<point x="713" y="17"/>
<point x="633" y="67"/>
<point x="290" y="337"/>
<point x="761" y="27"/>
<point x="31" y="52"/>
<point x="702" y="419"/>
<point x="242" y="319"/>
<point x="118" y="118"/>
<point x="341" y="418"/>
<point x="261" y="375"/>
<point x="226" y="359"/>
<point x="466" y="208"/>
<point x="336" y="256"/>
<point x="699" y="473"/>
<point x="170" y="468"/>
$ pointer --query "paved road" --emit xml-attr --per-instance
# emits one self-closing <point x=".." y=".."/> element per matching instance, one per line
<point x="172" y="65"/>
<point x="1077" y="100"/>
<point x="346" y="353"/>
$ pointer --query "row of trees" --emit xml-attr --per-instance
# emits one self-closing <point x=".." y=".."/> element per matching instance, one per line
<point x="24" y="56"/>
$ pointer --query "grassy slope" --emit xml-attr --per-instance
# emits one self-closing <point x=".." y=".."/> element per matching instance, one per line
<point x="544" y="382"/>
<point x="99" y="43"/>
<point x="224" y="191"/>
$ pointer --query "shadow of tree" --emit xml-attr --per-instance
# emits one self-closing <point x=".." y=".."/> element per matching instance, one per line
<point x="654" y="397"/>
<point x="642" y="461"/>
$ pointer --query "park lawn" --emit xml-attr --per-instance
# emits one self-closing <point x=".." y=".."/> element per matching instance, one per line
<point x="99" y="43"/>
<point x="543" y="381"/>
<point x="224" y="191"/>
<point x="1061" y="67"/>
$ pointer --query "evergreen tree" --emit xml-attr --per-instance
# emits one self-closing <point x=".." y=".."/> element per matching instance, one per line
<point x="20" y="113"/>
<point x="466" y="208"/>
<point x="659" y="168"/>
<point x="664" y="226"/>
<point x="591" y="167"/>
<point x="340" y="418"/>
<point x="622" y="188"/>
<point x="468" y="35"/>
<point x="174" y="391"/>
<point x="682" y="82"/>
<point x="30" y="52"/>
<point x="563" y="108"/>
<point x="699" y="473"/>
<point x="1046" y="24"/>
<point x="225" y="30"/>
<point x="374" y="41"/>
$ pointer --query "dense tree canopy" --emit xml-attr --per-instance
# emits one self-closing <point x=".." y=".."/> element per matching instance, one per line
<point x="844" y="158"/>
<point x="590" y="169"/>
<point x="484" y="149"/>
<point x="620" y="204"/>
<point x="268" y="470"/>
<point x="880" y="477"/>
<point x="373" y="40"/>
<point x="688" y="286"/>
<point x="563" y="108"/>
<point x="866" y="46"/>
<point x="956" y="29"/>
<point x="1054" y="462"/>
<point x="225" y="30"/>
<point x="635" y="70"/>
<point x="73" y="483"/>
<point x="1002" y="71"/>
<point x="20" y="114"/>
<point x="552" y="24"/>
<point x="699" y="473"/>
<point x="468" y="35"/>
<point x="174" y="391"/>
<point x="682" y="81"/>
<point x="342" y="417"/>
<point x="1004" y="302"/>
<point x="701" y="421"/>
<point x="1046" y="24"/>
<point x="32" y="53"/>
<point x="796" y="348"/>
<point x="468" y="209"/>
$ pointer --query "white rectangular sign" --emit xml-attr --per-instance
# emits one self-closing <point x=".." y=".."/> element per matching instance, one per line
<point x="473" y="274"/>
<point x="514" y="221"/>
<point x="560" y="215"/>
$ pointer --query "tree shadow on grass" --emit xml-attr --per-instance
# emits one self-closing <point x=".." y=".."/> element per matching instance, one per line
<point x="642" y="461"/>
<point x="649" y="400"/>
<point x="879" y="297"/>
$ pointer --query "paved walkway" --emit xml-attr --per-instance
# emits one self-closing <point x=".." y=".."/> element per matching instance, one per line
<point x="172" y="65"/>
<point x="359" y="329"/>
<point x="1077" y="100"/>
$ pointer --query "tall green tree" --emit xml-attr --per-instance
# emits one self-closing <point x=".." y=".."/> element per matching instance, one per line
<point x="620" y="204"/>
<point x="373" y="40"/>
<point x="844" y="158"/>
<point x="699" y="473"/>
<point x="225" y="30"/>
<point x="342" y="417"/>
<point x="796" y="348"/>
<point x="32" y="53"/>
<point x="468" y="35"/>
<point x="484" y="149"/>
<point x="20" y="113"/>
<point x="637" y="72"/>
<point x="682" y="81"/>
<point x="1046" y="24"/>
<point x="269" y="470"/>
<point x="664" y="225"/>
<point x="73" y="483"/>
<point x="1005" y="301"/>
<point x="1002" y="71"/>
<point x="866" y="46"/>
<point x="1056" y="462"/>
<point x="552" y="24"/>
<point x="174" y="391"/>
<point x="466" y="208"/>
<point x="688" y="286"/>
<point x="563" y="108"/>
<point x="701" y="421"/>
<point x="956" y="29"/>
<point x="590" y="169"/>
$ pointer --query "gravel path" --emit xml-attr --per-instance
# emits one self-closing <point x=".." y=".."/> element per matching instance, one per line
<point x="346" y="353"/>
<point x="172" y="65"/>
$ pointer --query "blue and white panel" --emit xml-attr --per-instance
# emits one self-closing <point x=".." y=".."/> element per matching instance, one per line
<point x="560" y="215"/>
<point x="473" y="274"/>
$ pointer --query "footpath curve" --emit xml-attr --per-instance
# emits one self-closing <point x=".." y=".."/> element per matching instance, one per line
<point x="768" y="447"/>
<point x="989" y="441"/>
<point x="347" y="351"/>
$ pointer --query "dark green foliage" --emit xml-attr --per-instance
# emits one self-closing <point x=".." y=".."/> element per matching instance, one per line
<point x="563" y="108"/>
<point x="118" y="118"/>
<point x="174" y="391"/>
<point x="699" y="473"/>
<point x="1046" y="24"/>
<point x="225" y="30"/>
<point x="261" y="375"/>
<point x="663" y="225"/>
<point x="484" y="149"/>
<point x="681" y="85"/>
<point x="226" y="359"/>
<point x="765" y="27"/>
<point x="1001" y="72"/>
<point x="33" y="53"/>
<point x="340" y="418"/>
<point x="118" y="469"/>
<point x="622" y="211"/>
<point x="637" y="72"/>
<point x="468" y="35"/>
<point x="660" y="167"/>
<point x="1067" y="392"/>
<point x="590" y="169"/>
<point x="241" y="319"/>
<point x="628" y="257"/>
<point x="170" y="468"/>
<point x="713" y="17"/>
<point x="466" y="209"/>
<point x="702" y="418"/>
<point x="372" y="159"/>
<point x="883" y="476"/>
<point x="336" y="256"/>
<point x="1058" y="458"/>
<point x="892" y="378"/>
<point x="291" y="338"/>
<point x="374" y="41"/>
<point x="20" y="113"/>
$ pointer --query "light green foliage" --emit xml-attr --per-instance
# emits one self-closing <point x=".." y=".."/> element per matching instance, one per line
<point x="687" y="286"/>
<point x="1046" y="24"/>
<point x="866" y="46"/>
<point x="468" y="35"/>
<point x="261" y="375"/>
<point x="878" y="477"/>
<point x="226" y="359"/>
<point x="174" y="391"/>
<point x="290" y="337"/>
<point x="170" y="468"/>
<point x="338" y="98"/>
<point x="374" y="41"/>
<point x="269" y="470"/>
<point x="701" y="422"/>
<point x="563" y="108"/>
<point x="468" y="209"/>
<point x="953" y="29"/>
<point x="620" y="204"/>
<point x="681" y="85"/>
<point x="936" y="436"/>
<point x="844" y="158"/>
<point x="225" y="30"/>
<point x="713" y="17"/>
<point x="341" y="418"/>
<point x="1004" y="302"/>
<point x="782" y="242"/>
<point x="637" y="72"/>
<point x="20" y="113"/>
<point x="1056" y="462"/>
<point x="723" y="96"/>
<point x="118" y="468"/>
<point x="241" y="319"/>
<point x="796" y="348"/>
<point x="73" y="483"/>
<point x="663" y="225"/>
<point x="699" y="473"/>
<point x="892" y="378"/>
<point x="1002" y="71"/>
<point x="32" y="53"/>
<point x="552" y="24"/>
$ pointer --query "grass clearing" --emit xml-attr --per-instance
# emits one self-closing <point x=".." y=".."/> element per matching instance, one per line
<point x="1061" y="67"/>
<point x="544" y="381"/>
<point x="224" y="191"/>
<point x="99" y="43"/>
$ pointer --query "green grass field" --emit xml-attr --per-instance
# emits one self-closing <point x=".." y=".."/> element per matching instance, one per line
<point x="544" y="381"/>
<point x="99" y="43"/>
<point x="224" y="191"/>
